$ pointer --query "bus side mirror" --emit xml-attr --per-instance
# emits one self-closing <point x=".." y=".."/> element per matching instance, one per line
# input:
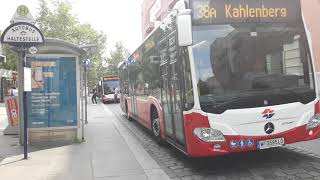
<point x="184" y="26"/>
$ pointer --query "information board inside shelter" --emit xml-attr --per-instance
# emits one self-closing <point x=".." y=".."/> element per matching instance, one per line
<point x="53" y="100"/>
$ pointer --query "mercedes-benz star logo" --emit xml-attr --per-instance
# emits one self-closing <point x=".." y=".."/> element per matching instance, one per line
<point x="269" y="128"/>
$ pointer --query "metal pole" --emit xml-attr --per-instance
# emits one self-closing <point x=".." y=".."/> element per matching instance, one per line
<point x="82" y="106"/>
<point x="86" y="95"/>
<point x="21" y="89"/>
<point x="25" y="129"/>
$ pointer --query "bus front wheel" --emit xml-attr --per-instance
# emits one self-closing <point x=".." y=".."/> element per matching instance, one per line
<point x="155" y="125"/>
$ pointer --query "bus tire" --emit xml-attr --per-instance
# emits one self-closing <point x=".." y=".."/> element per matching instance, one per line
<point x="155" y="125"/>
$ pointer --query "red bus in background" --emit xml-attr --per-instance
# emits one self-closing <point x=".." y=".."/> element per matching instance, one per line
<point x="220" y="77"/>
<point x="108" y="86"/>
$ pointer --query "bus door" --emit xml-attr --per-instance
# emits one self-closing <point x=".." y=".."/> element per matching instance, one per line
<point x="134" y="105"/>
<point x="170" y="92"/>
<point x="132" y="92"/>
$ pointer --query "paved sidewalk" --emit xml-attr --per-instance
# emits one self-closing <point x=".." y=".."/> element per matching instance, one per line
<point x="3" y="117"/>
<point x="109" y="153"/>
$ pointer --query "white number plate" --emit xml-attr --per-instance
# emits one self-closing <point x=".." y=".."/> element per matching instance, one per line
<point x="270" y="143"/>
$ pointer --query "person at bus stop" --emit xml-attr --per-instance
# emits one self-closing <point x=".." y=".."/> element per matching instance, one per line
<point x="116" y="92"/>
<point x="13" y="92"/>
<point x="94" y="97"/>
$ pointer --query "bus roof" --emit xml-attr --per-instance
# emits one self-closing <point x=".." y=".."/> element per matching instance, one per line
<point x="181" y="4"/>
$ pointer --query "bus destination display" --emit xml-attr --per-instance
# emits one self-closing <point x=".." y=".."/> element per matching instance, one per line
<point x="110" y="78"/>
<point x="245" y="11"/>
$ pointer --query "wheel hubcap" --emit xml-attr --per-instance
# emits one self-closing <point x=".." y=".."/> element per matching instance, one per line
<point x="156" y="127"/>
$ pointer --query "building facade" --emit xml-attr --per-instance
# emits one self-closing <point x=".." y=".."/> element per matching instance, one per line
<point x="153" y="11"/>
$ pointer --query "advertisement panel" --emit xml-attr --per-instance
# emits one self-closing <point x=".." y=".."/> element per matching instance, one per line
<point x="12" y="111"/>
<point x="53" y="99"/>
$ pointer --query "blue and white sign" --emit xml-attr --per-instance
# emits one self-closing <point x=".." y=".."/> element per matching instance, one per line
<point x="250" y="142"/>
<point x="242" y="143"/>
<point x="233" y="144"/>
<point x="53" y="99"/>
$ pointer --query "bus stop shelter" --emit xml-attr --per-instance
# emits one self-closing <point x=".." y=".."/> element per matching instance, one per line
<point x="54" y="105"/>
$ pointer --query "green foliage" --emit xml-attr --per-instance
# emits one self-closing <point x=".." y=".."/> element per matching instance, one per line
<point x="11" y="56"/>
<point x="11" y="63"/>
<point x="118" y="55"/>
<point x="60" y="23"/>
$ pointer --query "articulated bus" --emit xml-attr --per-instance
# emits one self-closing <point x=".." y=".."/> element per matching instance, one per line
<point x="220" y="77"/>
<point x="108" y="86"/>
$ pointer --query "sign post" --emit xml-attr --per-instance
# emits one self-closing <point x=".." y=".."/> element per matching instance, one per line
<point x="86" y="66"/>
<point x="21" y="35"/>
<point x="20" y="63"/>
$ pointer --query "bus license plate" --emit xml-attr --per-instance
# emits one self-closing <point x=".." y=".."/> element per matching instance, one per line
<point x="270" y="143"/>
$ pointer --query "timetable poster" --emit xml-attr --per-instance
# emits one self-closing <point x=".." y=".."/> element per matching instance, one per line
<point x="53" y="100"/>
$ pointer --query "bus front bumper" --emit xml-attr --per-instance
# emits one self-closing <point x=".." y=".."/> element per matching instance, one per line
<point x="234" y="144"/>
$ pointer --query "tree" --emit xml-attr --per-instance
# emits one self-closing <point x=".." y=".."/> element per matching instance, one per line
<point x="60" y="23"/>
<point x="11" y="58"/>
<point x="118" y="55"/>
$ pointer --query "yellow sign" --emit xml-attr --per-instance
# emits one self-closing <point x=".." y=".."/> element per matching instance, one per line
<point x="207" y="12"/>
<point x="111" y="78"/>
<point x="245" y="11"/>
<point x="23" y="10"/>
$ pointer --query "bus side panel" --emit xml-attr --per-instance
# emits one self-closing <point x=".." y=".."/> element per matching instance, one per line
<point x="143" y="111"/>
<point x="129" y="106"/>
<point x="123" y="98"/>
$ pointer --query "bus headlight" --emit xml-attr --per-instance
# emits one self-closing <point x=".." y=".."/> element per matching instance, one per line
<point x="314" y="121"/>
<point x="209" y="135"/>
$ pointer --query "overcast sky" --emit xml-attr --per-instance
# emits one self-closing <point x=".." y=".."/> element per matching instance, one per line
<point x="119" y="19"/>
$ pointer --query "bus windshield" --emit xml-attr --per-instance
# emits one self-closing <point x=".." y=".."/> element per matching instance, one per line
<point x="109" y="86"/>
<point x="252" y="65"/>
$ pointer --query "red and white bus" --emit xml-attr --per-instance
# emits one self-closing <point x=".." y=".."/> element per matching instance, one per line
<point x="108" y="86"/>
<point x="220" y="77"/>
